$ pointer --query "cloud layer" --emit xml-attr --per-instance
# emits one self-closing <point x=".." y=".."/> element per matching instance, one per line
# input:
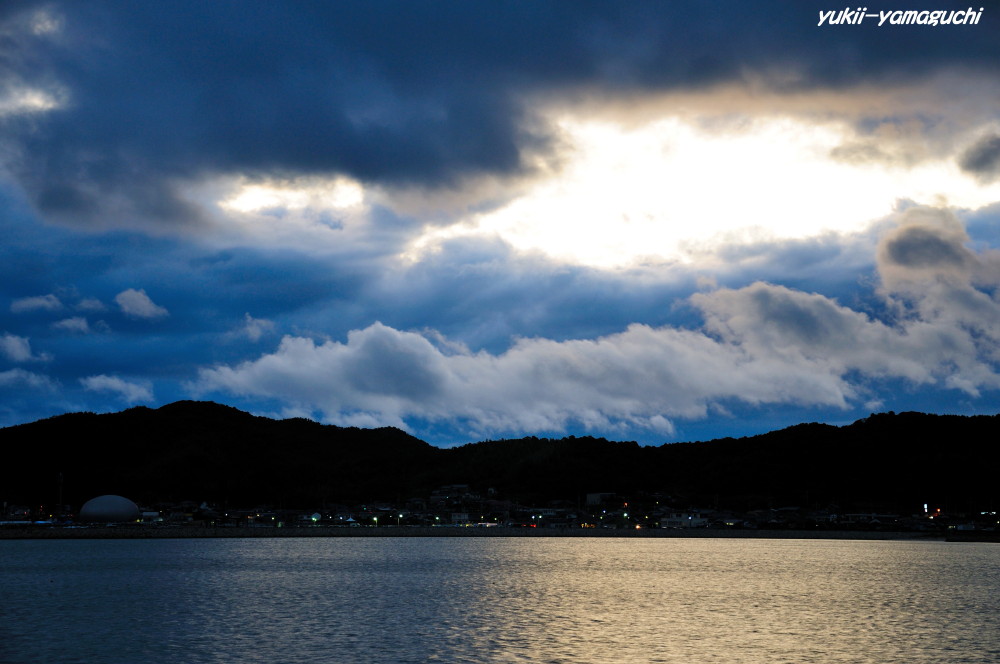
<point x="415" y="94"/>
<point x="760" y="344"/>
<point x="377" y="215"/>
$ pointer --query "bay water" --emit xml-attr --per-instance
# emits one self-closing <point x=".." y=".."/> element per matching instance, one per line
<point x="546" y="600"/>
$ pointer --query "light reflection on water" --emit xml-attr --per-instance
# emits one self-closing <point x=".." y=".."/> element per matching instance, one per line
<point x="397" y="600"/>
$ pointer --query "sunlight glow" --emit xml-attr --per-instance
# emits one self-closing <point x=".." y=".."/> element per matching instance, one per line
<point x="341" y="193"/>
<point x="313" y="214"/>
<point x="671" y="190"/>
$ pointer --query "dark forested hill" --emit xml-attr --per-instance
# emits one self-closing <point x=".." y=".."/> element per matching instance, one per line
<point x="204" y="451"/>
<point x="207" y="452"/>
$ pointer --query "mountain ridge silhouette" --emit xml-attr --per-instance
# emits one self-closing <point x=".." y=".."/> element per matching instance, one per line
<point x="204" y="451"/>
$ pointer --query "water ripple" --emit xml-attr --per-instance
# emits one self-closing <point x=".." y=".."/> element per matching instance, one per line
<point x="545" y="601"/>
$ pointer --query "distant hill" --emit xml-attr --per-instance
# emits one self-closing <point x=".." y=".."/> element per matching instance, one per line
<point x="204" y="451"/>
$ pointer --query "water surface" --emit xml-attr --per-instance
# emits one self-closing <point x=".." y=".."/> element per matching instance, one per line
<point x="398" y="600"/>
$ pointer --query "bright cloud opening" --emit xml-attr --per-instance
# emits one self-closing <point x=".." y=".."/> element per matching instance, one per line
<point x="340" y="193"/>
<point x="670" y="189"/>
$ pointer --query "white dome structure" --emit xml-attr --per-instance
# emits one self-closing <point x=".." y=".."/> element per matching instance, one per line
<point x="109" y="508"/>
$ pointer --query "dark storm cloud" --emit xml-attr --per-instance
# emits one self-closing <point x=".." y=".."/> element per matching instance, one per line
<point x="983" y="158"/>
<point x="927" y="246"/>
<point x="917" y="248"/>
<point x="124" y="114"/>
<point x="154" y="95"/>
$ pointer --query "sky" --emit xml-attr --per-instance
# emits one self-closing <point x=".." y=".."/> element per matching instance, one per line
<point x="644" y="221"/>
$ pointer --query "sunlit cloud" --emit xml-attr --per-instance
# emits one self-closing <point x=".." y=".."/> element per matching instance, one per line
<point x="758" y="345"/>
<point x="669" y="189"/>
<point x="339" y="193"/>
<point x="313" y="214"/>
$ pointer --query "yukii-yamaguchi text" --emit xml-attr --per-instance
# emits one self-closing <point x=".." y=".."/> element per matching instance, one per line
<point x="848" y="16"/>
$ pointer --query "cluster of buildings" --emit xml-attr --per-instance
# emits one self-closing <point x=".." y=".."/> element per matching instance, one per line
<point x="460" y="506"/>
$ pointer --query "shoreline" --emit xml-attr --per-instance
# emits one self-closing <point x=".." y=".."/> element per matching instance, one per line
<point x="200" y="532"/>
